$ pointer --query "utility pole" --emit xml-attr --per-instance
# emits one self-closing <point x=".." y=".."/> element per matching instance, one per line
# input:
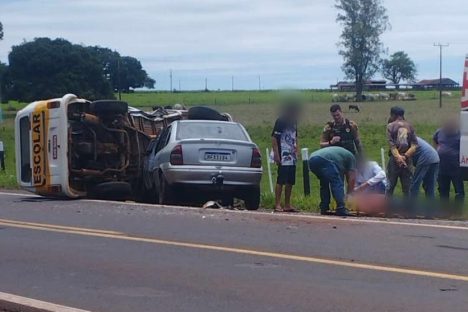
<point x="259" y="83"/>
<point x="118" y="79"/>
<point x="232" y="83"/>
<point x="441" y="46"/>
<point x="206" y="84"/>
<point x="179" y="86"/>
<point x="170" y="78"/>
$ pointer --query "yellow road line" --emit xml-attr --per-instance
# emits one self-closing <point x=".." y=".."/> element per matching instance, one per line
<point x="251" y="252"/>
<point x="12" y="302"/>
<point x="58" y="227"/>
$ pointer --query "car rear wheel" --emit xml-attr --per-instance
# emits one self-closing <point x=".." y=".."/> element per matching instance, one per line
<point x="165" y="194"/>
<point x="252" y="199"/>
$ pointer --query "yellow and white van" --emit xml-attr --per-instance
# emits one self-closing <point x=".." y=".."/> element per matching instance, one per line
<point x="72" y="147"/>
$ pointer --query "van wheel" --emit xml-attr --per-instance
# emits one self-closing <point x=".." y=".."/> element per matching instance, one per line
<point x="205" y="113"/>
<point x="252" y="199"/>
<point x="106" y="107"/>
<point x="165" y="194"/>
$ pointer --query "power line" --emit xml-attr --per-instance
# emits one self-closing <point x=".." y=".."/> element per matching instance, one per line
<point x="441" y="46"/>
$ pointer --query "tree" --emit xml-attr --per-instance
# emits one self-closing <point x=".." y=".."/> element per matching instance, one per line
<point x="399" y="67"/>
<point x="123" y="72"/>
<point x="363" y="21"/>
<point x="45" y="68"/>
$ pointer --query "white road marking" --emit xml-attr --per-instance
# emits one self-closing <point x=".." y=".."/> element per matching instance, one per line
<point x="18" y="303"/>
<point x="423" y="223"/>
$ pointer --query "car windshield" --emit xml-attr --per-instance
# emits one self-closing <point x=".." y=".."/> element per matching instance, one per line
<point x="210" y="130"/>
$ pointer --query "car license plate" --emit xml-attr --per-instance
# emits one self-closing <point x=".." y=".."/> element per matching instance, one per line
<point x="218" y="156"/>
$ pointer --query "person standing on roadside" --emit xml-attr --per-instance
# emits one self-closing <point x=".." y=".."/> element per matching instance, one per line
<point x="330" y="165"/>
<point x="426" y="161"/>
<point x="341" y="132"/>
<point x="447" y="141"/>
<point x="2" y="155"/>
<point x="403" y="143"/>
<point x="285" y="150"/>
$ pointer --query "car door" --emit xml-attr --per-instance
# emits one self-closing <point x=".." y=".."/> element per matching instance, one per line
<point x="156" y="154"/>
<point x="147" y="170"/>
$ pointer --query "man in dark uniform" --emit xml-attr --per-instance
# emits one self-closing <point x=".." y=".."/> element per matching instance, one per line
<point x="341" y="132"/>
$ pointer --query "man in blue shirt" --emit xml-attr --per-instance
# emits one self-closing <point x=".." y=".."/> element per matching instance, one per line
<point x="426" y="161"/>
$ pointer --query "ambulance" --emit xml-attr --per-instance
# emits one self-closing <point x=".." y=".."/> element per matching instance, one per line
<point x="74" y="148"/>
<point x="464" y="124"/>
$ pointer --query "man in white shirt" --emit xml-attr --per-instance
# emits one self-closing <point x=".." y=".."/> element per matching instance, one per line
<point x="2" y="156"/>
<point x="370" y="177"/>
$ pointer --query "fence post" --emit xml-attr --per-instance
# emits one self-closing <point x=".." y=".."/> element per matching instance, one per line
<point x="305" y="170"/>
<point x="270" y="178"/>
<point x="382" y="155"/>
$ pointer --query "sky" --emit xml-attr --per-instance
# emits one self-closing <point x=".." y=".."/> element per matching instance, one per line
<point x="282" y="43"/>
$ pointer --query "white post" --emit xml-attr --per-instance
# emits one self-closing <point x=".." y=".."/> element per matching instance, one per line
<point x="382" y="155"/>
<point x="305" y="171"/>
<point x="270" y="178"/>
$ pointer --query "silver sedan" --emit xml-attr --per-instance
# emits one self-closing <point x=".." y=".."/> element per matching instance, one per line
<point x="200" y="160"/>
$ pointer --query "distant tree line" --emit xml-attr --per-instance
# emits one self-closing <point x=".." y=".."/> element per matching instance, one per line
<point x="47" y="68"/>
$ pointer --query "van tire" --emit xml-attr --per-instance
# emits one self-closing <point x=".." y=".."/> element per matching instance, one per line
<point x="105" y="107"/>
<point x="205" y="113"/>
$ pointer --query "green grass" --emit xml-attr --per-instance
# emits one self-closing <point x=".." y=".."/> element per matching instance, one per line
<point x="7" y="135"/>
<point x="259" y="115"/>
<point x="149" y="99"/>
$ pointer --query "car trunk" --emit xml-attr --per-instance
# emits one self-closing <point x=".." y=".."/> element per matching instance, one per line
<point x="215" y="152"/>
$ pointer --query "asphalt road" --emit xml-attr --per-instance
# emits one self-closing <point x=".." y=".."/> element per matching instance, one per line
<point x="102" y="256"/>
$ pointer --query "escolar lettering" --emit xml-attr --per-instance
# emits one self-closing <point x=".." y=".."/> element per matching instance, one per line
<point x="38" y="169"/>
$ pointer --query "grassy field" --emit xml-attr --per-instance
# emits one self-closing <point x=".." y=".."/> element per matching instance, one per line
<point x="260" y="114"/>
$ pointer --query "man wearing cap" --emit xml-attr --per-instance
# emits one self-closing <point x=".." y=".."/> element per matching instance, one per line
<point x="341" y="132"/>
<point x="403" y="143"/>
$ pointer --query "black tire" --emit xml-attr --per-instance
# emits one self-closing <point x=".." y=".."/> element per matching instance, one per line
<point x="109" y="107"/>
<point x="252" y="199"/>
<point x="144" y="195"/>
<point x="165" y="192"/>
<point x="119" y="191"/>
<point x="205" y="113"/>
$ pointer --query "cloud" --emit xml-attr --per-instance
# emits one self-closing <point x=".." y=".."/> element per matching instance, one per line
<point x="284" y="41"/>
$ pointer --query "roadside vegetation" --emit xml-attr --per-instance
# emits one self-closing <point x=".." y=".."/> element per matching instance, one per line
<point x="258" y="117"/>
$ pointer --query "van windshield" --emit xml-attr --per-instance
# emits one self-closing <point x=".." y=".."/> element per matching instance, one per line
<point x="25" y="147"/>
<point x="210" y="130"/>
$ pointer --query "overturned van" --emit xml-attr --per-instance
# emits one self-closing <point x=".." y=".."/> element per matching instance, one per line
<point x="72" y="147"/>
